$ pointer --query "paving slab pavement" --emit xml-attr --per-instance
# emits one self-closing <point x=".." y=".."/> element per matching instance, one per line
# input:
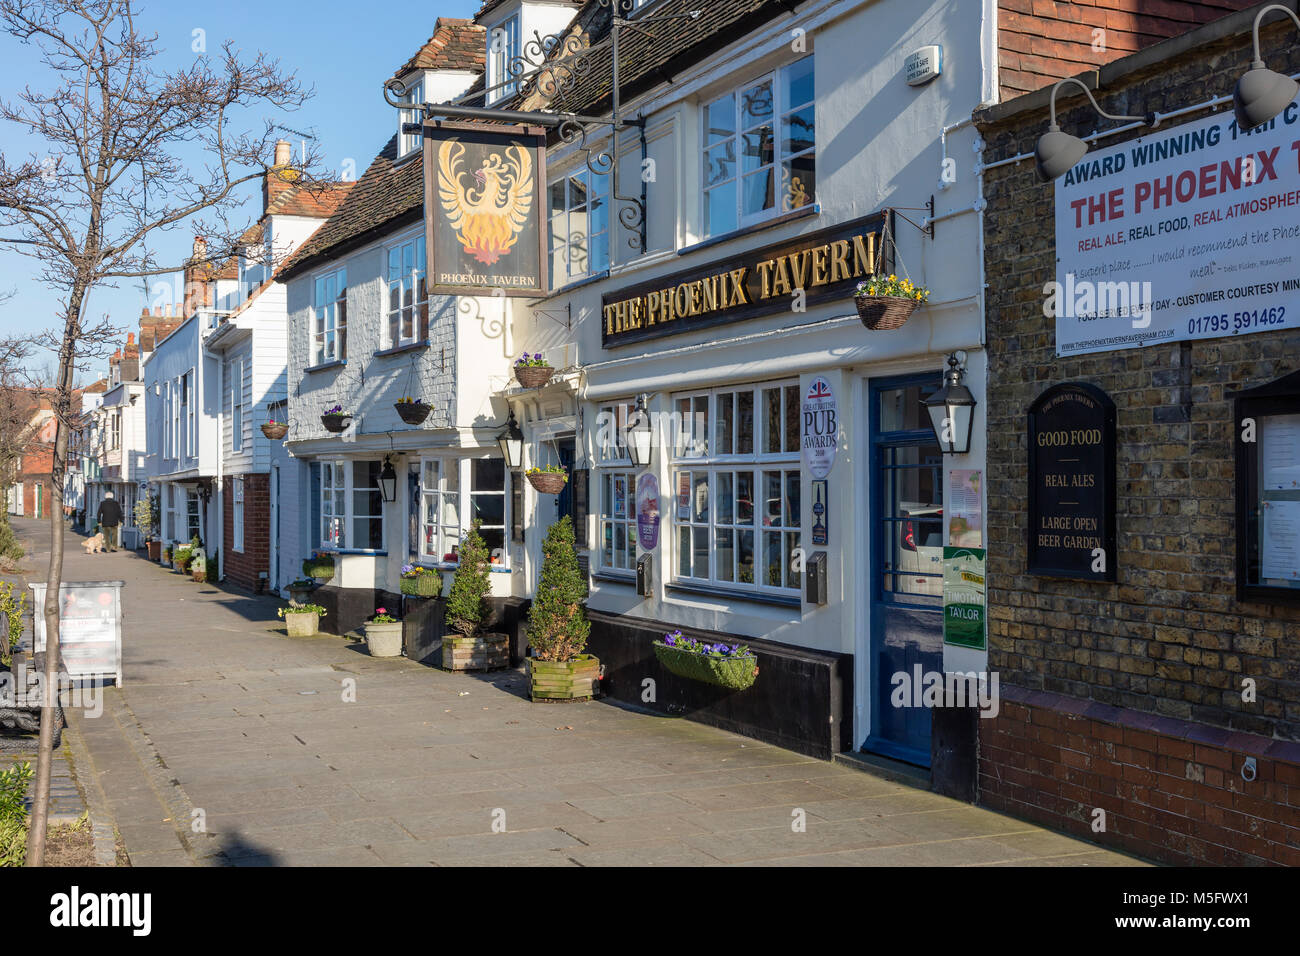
<point x="230" y="743"/>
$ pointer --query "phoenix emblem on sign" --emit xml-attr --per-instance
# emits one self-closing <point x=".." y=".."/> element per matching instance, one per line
<point x="488" y="207"/>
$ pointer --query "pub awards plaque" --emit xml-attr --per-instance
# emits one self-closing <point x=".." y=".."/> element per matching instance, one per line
<point x="1072" y="483"/>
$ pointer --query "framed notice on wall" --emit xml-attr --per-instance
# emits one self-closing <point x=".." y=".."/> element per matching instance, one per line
<point x="485" y="216"/>
<point x="1072" y="483"/>
<point x="1267" y="427"/>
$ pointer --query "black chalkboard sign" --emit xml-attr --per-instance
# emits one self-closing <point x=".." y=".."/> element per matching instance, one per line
<point x="1072" y="483"/>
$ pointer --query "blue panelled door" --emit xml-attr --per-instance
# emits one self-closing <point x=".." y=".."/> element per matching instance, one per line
<point x="906" y="516"/>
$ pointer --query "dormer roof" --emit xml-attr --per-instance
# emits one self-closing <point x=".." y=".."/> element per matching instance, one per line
<point x="456" y="44"/>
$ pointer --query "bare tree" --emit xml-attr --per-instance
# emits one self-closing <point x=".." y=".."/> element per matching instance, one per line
<point x="131" y="149"/>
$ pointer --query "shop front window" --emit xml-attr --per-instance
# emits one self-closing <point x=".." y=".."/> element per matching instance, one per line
<point x="487" y="493"/>
<point x="439" y="510"/>
<point x="737" y="489"/>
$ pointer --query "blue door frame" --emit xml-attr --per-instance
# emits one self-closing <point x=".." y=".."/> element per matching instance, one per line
<point x="906" y="630"/>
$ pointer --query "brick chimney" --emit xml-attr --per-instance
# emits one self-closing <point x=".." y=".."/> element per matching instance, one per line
<point x="281" y="177"/>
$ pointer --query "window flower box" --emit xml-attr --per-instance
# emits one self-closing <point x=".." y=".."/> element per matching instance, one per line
<point x="733" y="666"/>
<point x="319" y="566"/>
<point x="420" y="582"/>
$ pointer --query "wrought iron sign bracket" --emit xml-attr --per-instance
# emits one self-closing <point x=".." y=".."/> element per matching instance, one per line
<point x="552" y="66"/>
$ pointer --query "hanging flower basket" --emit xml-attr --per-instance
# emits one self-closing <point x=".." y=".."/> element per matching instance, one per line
<point x="275" y="430"/>
<point x="880" y="313"/>
<point x="533" y="376"/>
<point x="335" y="421"/>
<point x="413" y="413"/>
<point x="732" y="666"/>
<point x="548" y="482"/>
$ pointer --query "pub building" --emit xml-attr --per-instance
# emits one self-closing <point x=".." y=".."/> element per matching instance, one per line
<point x="750" y="463"/>
<point x="1144" y="451"/>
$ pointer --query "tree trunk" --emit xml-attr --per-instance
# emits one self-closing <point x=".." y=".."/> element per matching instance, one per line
<point x="54" y="578"/>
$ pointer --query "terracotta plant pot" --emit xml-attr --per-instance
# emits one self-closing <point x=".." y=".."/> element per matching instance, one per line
<point x="335" y="423"/>
<point x="413" y="413"/>
<point x="275" y="432"/>
<point x="534" y="376"/>
<point x="154" y="549"/>
<point x="199" y="576"/>
<point x="577" y="679"/>
<point x="488" y="652"/>
<point x="384" y="640"/>
<point x="302" y="624"/>
<point x="884" y="312"/>
<point x="549" y="482"/>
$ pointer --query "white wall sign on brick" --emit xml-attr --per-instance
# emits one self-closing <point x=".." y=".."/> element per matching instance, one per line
<point x="1186" y="234"/>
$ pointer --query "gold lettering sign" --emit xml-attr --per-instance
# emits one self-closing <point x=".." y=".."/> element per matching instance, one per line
<point x="819" y="266"/>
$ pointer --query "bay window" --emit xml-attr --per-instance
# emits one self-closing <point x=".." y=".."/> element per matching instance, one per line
<point x="349" y="505"/>
<point x="759" y="147"/>
<point x="333" y="505"/>
<point x="439" y="510"/>
<point x="454" y="492"/>
<point x="330" y="317"/>
<point x="737" y="488"/>
<point x="408" y="295"/>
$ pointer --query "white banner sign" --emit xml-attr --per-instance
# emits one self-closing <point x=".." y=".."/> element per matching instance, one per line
<point x="1191" y="233"/>
<point x="821" y="429"/>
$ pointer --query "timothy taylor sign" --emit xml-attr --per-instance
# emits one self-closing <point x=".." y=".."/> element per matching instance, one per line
<point x="803" y="271"/>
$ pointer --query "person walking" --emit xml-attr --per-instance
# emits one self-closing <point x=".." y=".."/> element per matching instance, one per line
<point x="109" y="517"/>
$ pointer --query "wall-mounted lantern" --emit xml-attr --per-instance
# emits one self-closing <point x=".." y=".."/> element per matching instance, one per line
<point x="511" y="441"/>
<point x="388" y="481"/>
<point x="952" y="410"/>
<point x="1057" y="152"/>
<point x="640" y="435"/>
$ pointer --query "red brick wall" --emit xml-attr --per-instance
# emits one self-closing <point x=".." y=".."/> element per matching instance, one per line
<point x="245" y="568"/>
<point x="1042" y="41"/>
<point x="1171" y="790"/>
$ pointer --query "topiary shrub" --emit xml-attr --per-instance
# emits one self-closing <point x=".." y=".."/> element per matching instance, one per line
<point x="557" y="621"/>
<point x="469" y="611"/>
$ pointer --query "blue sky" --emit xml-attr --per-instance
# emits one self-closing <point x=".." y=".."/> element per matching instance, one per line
<point x="345" y="50"/>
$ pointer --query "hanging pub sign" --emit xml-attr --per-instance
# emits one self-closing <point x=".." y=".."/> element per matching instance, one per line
<point x="1072" y="483"/>
<point x="808" y="269"/>
<point x="484" y="224"/>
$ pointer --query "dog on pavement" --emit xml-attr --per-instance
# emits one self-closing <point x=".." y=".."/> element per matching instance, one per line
<point x="94" y="543"/>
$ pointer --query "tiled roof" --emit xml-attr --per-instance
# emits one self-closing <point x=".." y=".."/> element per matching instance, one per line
<point x="456" y="44"/>
<point x="315" y="201"/>
<point x="385" y="194"/>
<point x="655" y="53"/>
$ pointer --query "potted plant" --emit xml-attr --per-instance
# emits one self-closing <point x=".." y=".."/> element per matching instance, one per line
<point x="412" y="410"/>
<point x="275" y="430"/>
<point x="419" y="581"/>
<point x="167" y="555"/>
<point x="469" y="612"/>
<point x="335" y="419"/>
<point x="199" y="566"/>
<point x="182" y="554"/>
<point x="319" y="566"/>
<point x="533" y="371"/>
<point x="302" y="620"/>
<point x="548" y="479"/>
<point x="558" y="626"/>
<point x="383" y="634"/>
<point x="146" y="521"/>
<point x="733" y="666"/>
<point x="300" y="590"/>
<point x="887" y="302"/>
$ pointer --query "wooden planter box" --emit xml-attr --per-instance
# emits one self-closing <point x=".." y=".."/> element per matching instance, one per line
<point x="490" y="652"/>
<point x="577" y="679"/>
<point x="413" y="413"/>
<point x="275" y="432"/>
<point x="302" y="624"/>
<point x="154" y="548"/>
<point x="534" y="376"/>
<point x="549" y="482"/>
<point x="335" y="423"/>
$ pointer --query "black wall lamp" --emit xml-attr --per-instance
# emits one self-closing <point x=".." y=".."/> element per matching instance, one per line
<point x="952" y="410"/>
<point x="1057" y="152"/>
<point x="640" y="437"/>
<point x="388" y="481"/>
<point x="1261" y="94"/>
<point x="512" y="443"/>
